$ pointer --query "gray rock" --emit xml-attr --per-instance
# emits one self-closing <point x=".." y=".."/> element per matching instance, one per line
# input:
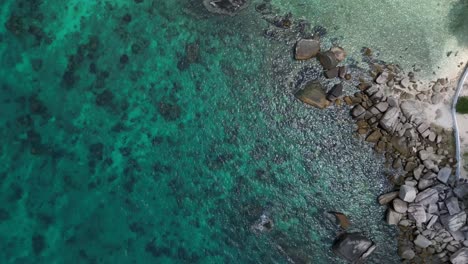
<point x="423" y="127"/>
<point x="429" y="175"/>
<point x="400" y="206"/>
<point x="417" y="172"/>
<point x="353" y="247"/>
<point x="382" y="106"/>
<point x="437" y="98"/>
<point x="335" y="92"/>
<point x="390" y="119"/>
<point x="410" y="166"/>
<point x="358" y="111"/>
<point x="433" y="209"/>
<point x="407" y="193"/>
<point x="460" y="257"/>
<point x="433" y="220"/>
<point x="454" y="222"/>
<point x="461" y="190"/>
<point x="405" y="82"/>
<point x="428" y="196"/>
<point x="417" y="213"/>
<point x="388" y="197"/>
<point x="307" y="48"/>
<point x="437" y="87"/>
<point x="422" y="242"/>
<point x="430" y="165"/>
<point x="392" y="101"/>
<point x="452" y="205"/>
<point x="432" y="136"/>
<point x="383" y="78"/>
<point x="372" y="90"/>
<point x="444" y="174"/>
<point x="393" y="218"/>
<point x="407" y="253"/>
<point x="424" y="184"/>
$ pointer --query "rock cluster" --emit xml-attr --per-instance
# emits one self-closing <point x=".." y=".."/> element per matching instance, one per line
<point x="428" y="205"/>
<point x="225" y="7"/>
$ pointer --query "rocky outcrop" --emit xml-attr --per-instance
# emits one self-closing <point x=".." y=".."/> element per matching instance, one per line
<point x="353" y="247"/>
<point x="307" y="49"/>
<point x="313" y="94"/>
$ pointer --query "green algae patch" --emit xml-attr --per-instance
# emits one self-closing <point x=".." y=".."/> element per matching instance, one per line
<point x="462" y="105"/>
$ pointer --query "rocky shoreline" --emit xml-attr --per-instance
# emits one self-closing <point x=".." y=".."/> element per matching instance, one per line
<point x="427" y="204"/>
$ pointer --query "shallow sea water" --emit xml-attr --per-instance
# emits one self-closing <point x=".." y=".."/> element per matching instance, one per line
<point x="153" y="132"/>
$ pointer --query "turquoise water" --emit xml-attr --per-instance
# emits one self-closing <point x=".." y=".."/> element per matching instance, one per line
<point x="154" y="132"/>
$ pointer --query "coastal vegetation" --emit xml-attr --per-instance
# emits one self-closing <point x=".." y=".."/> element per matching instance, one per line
<point x="462" y="105"/>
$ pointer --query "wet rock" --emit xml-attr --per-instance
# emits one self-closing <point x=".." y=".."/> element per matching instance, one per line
<point x="407" y="253"/>
<point x="342" y="72"/>
<point x="390" y="119"/>
<point x="339" y="53"/>
<point x="460" y="257"/>
<point x="353" y="247"/>
<point x="400" y="206"/>
<point x="306" y="49"/>
<point x="454" y="222"/>
<point x="422" y="242"/>
<point x="444" y="174"/>
<point x="452" y="205"/>
<point x="410" y="166"/>
<point x="417" y="213"/>
<point x="407" y="193"/>
<point x="342" y="220"/>
<point x="264" y="224"/>
<point x="225" y="7"/>
<point x="388" y="197"/>
<point x="332" y="73"/>
<point x="335" y="92"/>
<point x="405" y="82"/>
<point x="382" y="106"/>
<point x="328" y="60"/>
<point x="374" y="136"/>
<point x="393" y="217"/>
<point x="382" y="78"/>
<point x="358" y="111"/>
<point x="313" y="94"/>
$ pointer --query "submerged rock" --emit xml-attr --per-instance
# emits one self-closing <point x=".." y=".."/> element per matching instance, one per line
<point x="353" y="247"/>
<point x="313" y="94"/>
<point x="264" y="224"/>
<point x="225" y="7"/>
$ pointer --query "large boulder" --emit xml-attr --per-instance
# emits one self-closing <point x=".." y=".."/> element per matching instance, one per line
<point x="444" y="174"/>
<point x="390" y="119"/>
<point x="353" y="247"/>
<point x="313" y="94"/>
<point x="387" y="197"/>
<point x="454" y="222"/>
<point x="306" y="49"/>
<point x="225" y="7"/>
<point x="407" y="193"/>
<point x="422" y="242"/>
<point x="460" y="257"/>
